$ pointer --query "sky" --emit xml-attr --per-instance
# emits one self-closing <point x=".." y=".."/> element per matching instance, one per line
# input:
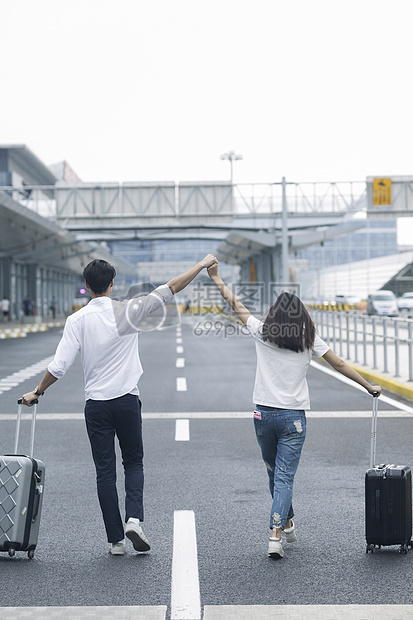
<point x="158" y="90"/>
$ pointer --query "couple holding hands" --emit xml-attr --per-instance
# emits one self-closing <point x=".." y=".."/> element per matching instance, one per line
<point x="285" y="342"/>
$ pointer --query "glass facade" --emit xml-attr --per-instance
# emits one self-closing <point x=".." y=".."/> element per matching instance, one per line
<point x="378" y="238"/>
<point x="185" y="250"/>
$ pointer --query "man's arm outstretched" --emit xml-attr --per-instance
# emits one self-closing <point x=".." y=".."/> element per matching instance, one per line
<point x="180" y="282"/>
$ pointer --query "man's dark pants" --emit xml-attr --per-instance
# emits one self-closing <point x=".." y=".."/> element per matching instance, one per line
<point x="104" y="419"/>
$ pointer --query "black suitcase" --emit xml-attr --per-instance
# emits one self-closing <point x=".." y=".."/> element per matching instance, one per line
<point x="388" y="500"/>
<point x="21" y="494"/>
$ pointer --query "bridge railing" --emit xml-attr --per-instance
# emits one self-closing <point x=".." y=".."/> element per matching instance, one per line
<point x="306" y="197"/>
<point x="380" y="343"/>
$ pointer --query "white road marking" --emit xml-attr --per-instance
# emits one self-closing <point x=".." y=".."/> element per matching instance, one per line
<point x="182" y="430"/>
<point x="44" y="416"/>
<point x="179" y="348"/>
<point x="340" y="377"/>
<point x="185" y="594"/>
<point x="219" y="612"/>
<point x="143" y="612"/>
<point x="307" y="612"/>
<point x="180" y="362"/>
<point x="232" y="415"/>
<point x="208" y="415"/>
<point x="181" y="384"/>
<point x="179" y="341"/>
<point x="20" y="376"/>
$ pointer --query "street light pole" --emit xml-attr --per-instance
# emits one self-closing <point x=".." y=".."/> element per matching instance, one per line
<point x="231" y="156"/>
<point x="284" y="246"/>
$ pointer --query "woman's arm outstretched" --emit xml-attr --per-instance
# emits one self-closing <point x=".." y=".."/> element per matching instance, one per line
<point x="228" y="295"/>
<point x="341" y="366"/>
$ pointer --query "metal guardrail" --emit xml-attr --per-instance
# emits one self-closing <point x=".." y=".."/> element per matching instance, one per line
<point x="380" y="343"/>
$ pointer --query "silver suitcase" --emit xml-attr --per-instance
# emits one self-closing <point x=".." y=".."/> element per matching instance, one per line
<point x="21" y="495"/>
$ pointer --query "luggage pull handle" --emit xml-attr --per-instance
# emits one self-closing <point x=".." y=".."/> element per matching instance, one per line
<point x="19" y="417"/>
<point x="374" y="429"/>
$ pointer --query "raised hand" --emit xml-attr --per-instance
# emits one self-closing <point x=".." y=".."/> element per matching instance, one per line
<point x="213" y="270"/>
<point x="209" y="260"/>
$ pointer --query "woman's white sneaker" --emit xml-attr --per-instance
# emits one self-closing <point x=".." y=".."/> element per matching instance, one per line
<point x="289" y="534"/>
<point x="275" y="548"/>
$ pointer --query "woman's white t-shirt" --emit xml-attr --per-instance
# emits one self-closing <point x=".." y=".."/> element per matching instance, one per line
<point x="280" y="379"/>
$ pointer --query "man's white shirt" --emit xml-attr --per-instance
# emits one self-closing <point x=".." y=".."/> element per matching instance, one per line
<point x="110" y="359"/>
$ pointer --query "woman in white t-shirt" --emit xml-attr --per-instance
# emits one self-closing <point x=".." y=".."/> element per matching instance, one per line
<point x="285" y="342"/>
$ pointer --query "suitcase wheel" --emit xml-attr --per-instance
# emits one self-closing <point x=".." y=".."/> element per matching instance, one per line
<point x="30" y="553"/>
<point x="403" y="549"/>
<point x="370" y="548"/>
<point x="11" y="552"/>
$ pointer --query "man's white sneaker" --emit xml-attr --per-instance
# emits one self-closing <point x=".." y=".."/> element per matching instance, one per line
<point x="118" y="548"/>
<point x="289" y="534"/>
<point x="275" y="548"/>
<point x="134" y="532"/>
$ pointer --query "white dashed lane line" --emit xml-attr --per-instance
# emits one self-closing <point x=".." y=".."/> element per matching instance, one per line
<point x="182" y="430"/>
<point x="180" y="362"/>
<point x="181" y="384"/>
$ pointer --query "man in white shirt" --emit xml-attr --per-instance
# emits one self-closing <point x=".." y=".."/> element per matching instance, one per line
<point x="112" y="368"/>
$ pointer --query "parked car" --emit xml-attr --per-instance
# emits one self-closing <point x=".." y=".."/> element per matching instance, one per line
<point x="350" y="300"/>
<point x="383" y="303"/>
<point x="405" y="303"/>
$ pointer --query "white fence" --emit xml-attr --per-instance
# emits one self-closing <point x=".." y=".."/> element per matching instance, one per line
<point x="381" y="343"/>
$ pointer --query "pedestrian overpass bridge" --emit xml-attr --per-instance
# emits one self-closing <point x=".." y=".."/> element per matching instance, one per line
<point x="257" y="223"/>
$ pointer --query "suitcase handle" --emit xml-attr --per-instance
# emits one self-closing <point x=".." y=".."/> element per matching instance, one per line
<point x="374" y="429"/>
<point x="19" y="417"/>
<point x="38" y="493"/>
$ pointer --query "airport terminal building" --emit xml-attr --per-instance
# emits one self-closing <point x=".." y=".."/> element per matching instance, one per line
<point x="39" y="260"/>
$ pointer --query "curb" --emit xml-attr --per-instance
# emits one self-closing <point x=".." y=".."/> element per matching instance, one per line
<point x="385" y="382"/>
<point x="21" y="332"/>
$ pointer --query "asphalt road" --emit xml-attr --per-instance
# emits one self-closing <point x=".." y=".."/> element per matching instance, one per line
<point x="218" y="474"/>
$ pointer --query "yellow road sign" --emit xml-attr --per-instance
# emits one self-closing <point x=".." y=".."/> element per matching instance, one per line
<point x="381" y="192"/>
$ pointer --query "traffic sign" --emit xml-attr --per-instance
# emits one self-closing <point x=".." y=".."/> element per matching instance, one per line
<point x="381" y="191"/>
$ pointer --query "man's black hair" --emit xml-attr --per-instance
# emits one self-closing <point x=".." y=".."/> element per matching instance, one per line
<point x="99" y="274"/>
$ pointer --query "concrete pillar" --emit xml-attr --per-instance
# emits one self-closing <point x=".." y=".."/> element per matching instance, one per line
<point x="277" y="264"/>
<point x="266" y="274"/>
<point x="245" y="272"/>
<point x="39" y="305"/>
<point x="31" y="281"/>
<point x="6" y="266"/>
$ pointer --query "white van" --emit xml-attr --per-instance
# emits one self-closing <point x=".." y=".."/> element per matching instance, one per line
<point x="383" y="303"/>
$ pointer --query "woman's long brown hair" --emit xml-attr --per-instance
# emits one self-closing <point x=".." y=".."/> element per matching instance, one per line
<point x="288" y="324"/>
